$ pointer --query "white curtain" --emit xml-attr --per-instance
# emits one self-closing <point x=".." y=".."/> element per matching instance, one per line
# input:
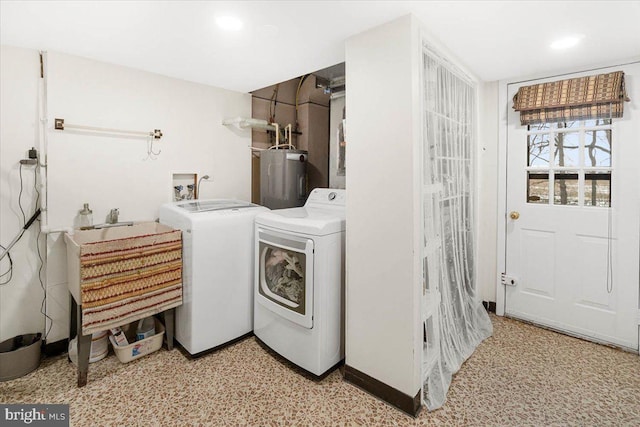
<point x="455" y="321"/>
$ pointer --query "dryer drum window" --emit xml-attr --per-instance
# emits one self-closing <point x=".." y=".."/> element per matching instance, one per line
<point x="282" y="278"/>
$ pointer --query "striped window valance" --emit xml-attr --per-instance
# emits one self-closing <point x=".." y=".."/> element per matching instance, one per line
<point x="583" y="98"/>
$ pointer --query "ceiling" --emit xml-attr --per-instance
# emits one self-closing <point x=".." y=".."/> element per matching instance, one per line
<point x="285" y="39"/>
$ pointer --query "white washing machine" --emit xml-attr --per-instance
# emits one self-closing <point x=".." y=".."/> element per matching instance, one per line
<point x="299" y="281"/>
<point x="217" y="270"/>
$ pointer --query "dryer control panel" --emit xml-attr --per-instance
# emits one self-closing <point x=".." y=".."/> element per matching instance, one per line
<point x="327" y="197"/>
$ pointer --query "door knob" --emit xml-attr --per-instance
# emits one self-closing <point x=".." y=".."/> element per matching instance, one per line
<point x="514" y="215"/>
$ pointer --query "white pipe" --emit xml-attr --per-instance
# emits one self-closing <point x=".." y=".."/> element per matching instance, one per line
<point x="43" y="158"/>
<point x="287" y="131"/>
<point x="49" y="230"/>
<point x="44" y="147"/>
<point x="288" y="128"/>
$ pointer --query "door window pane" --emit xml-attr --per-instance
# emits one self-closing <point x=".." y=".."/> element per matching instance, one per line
<point x="565" y="188"/>
<point x="575" y="157"/>
<point x="597" y="148"/>
<point x="538" y="188"/>
<point x="535" y="127"/>
<point x="597" y="189"/>
<point x="597" y="122"/>
<point x="567" y="149"/>
<point x="570" y="125"/>
<point x="538" y="150"/>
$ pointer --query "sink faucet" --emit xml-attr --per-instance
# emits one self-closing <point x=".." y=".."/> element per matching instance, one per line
<point x="112" y="221"/>
<point x="113" y="216"/>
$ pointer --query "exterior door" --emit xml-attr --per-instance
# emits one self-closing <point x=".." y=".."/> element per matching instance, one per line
<point x="572" y="223"/>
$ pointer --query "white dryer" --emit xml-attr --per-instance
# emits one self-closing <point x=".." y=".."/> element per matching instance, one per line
<point x="217" y="271"/>
<point x="299" y="281"/>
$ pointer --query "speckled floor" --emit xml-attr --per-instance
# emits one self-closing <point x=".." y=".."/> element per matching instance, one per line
<point x="522" y="376"/>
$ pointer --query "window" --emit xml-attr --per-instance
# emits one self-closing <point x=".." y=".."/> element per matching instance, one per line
<point x="570" y="163"/>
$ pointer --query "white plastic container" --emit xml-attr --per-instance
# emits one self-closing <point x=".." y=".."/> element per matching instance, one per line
<point x="119" y="336"/>
<point x="141" y="348"/>
<point x="99" y="348"/>
<point x="86" y="217"/>
<point x="145" y="329"/>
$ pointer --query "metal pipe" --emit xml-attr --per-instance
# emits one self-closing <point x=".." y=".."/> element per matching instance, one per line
<point x="117" y="224"/>
<point x="277" y="133"/>
<point x="198" y="186"/>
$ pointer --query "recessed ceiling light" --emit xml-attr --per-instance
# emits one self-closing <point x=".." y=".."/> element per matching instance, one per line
<point x="229" y="23"/>
<point x="566" y="42"/>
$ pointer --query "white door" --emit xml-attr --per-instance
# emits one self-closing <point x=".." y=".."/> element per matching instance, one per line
<point x="572" y="222"/>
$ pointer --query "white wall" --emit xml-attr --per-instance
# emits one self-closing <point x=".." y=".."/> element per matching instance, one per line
<point x="383" y="337"/>
<point x="487" y="188"/>
<point x="109" y="172"/>
<point x="21" y="298"/>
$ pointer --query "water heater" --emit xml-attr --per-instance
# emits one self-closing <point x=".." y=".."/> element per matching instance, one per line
<point x="283" y="178"/>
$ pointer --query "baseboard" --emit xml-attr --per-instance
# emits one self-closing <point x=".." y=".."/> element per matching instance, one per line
<point x="396" y="398"/>
<point x="490" y="306"/>
<point x="55" y="348"/>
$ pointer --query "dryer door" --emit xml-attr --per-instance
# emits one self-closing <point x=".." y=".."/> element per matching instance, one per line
<point x="284" y="282"/>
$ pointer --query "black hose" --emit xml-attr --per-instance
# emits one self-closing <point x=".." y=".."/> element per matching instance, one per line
<point x="32" y="219"/>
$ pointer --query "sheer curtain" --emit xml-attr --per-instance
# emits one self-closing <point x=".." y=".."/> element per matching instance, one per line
<point x="454" y="319"/>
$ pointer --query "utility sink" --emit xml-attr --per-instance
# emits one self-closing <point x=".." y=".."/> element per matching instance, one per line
<point x="123" y="273"/>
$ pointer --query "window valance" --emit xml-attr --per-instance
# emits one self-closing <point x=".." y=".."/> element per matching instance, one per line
<point x="584" y="98"/>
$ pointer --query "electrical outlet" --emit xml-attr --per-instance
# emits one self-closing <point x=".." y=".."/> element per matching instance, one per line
<point x="508" y="280"/>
